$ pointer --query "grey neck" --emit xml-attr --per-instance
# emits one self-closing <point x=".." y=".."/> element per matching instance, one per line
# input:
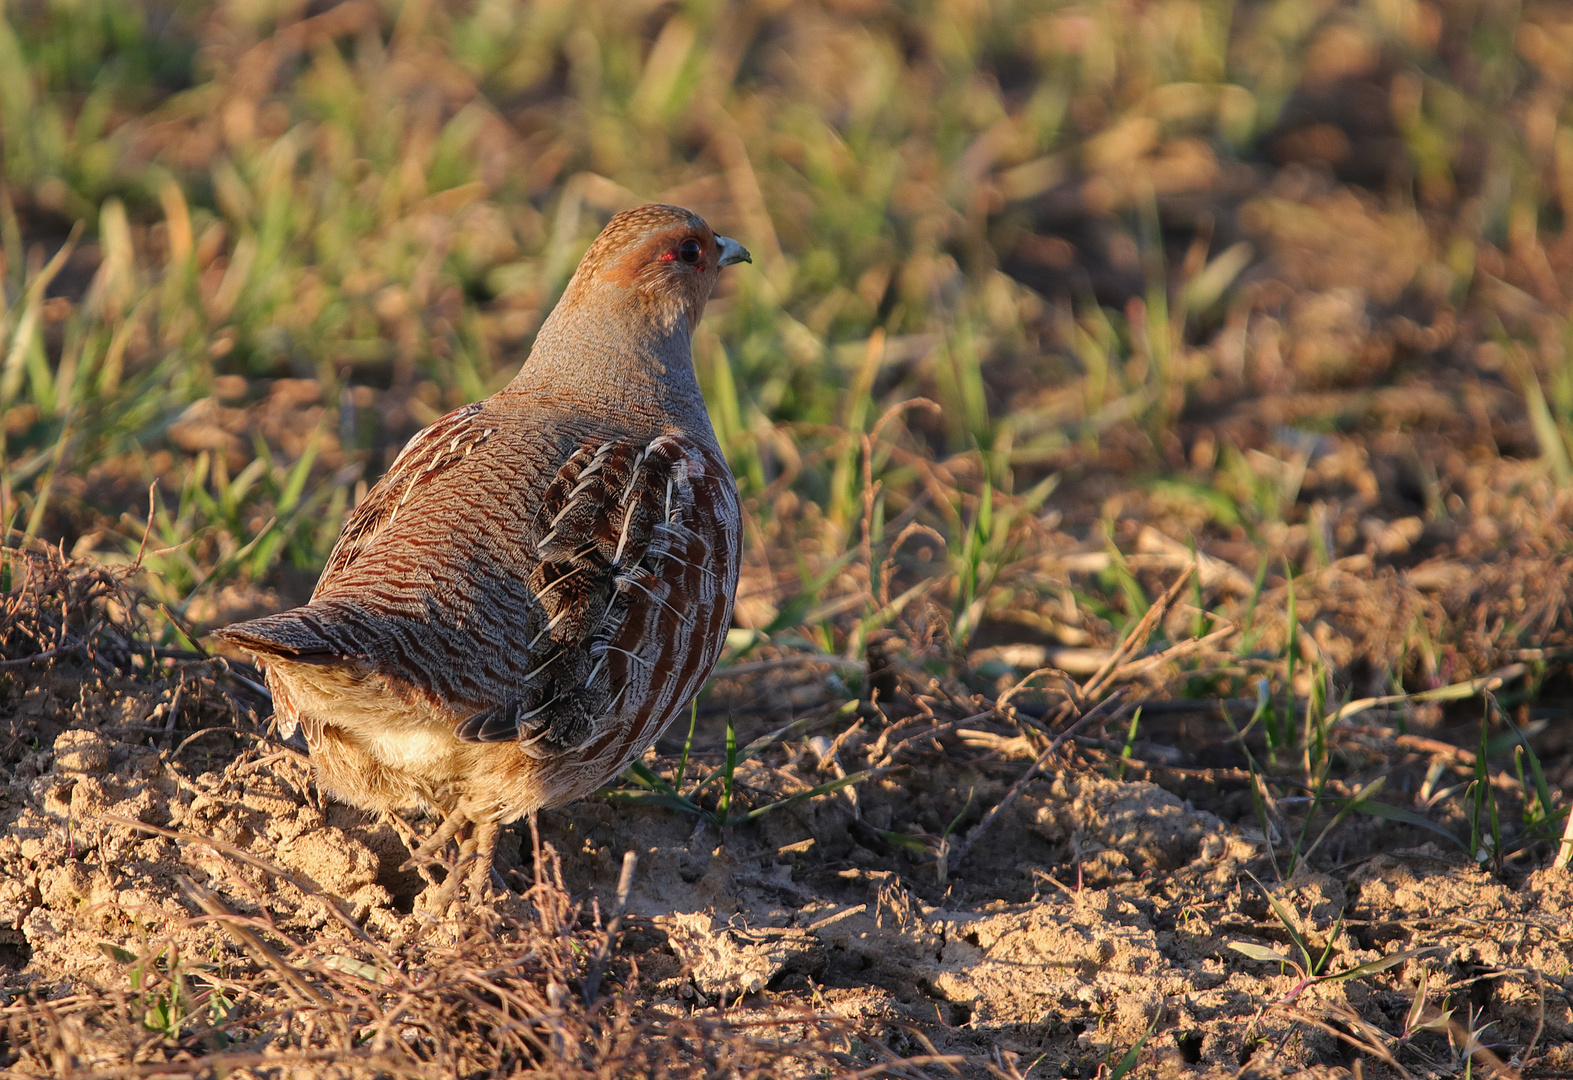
<point x="633" y="369"/>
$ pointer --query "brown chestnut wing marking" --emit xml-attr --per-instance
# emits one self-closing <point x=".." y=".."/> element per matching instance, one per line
<point x="625" y="585"/>
<point x="700" y="574"/>
<point x="447" y="441"/>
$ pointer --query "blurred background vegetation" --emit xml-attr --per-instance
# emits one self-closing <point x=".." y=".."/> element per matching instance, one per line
<point x="1283" y="280"/>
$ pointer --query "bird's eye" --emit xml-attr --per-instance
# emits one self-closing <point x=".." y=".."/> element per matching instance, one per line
<point x="690" y="251"/>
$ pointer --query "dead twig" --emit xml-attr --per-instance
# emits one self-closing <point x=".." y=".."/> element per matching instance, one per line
<point x="1371" y="1043"/>
<point x="796" y="660"/>
<point x="266" y="867"/>
<point x="1137" y="638"/>
<point x="1173" y="653"/>
<point x="220" y="1064"/>
<point x="625" y="881"/>
<point x="959" y="852"/>
<point x="209" y="902"/>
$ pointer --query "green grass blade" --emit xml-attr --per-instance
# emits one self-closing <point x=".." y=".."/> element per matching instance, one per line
<point x="802" y="796"/>
<point x="1128" y="1061"/>
<point x="729" y="775"/>
<point x="1347" y="807"/>
<point x="1288" y="921"/>
<point x="1371" y="967"/>
<point x="1389" y="812"/>
<point x="688" y="745"/>
<point x="1259" y="952"/>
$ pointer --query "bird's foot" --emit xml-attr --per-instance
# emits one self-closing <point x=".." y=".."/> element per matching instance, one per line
<point x="412" y="841"/>
<point x="426" y="854"/>
<point x="470" y="880"/>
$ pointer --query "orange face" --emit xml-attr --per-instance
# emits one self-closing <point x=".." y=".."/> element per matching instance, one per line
<point x="665" y="254"/>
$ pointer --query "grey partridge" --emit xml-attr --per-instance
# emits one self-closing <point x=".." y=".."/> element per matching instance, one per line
<point x="542" y="580"/>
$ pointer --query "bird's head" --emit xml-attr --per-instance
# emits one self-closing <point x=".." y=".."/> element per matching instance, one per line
<point x="664" y="257"/>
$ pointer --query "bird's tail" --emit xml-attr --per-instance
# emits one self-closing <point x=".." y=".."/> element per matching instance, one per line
<point x="304" y="634"/>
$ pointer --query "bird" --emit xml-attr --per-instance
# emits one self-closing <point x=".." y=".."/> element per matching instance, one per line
<point x="542" y="580"/>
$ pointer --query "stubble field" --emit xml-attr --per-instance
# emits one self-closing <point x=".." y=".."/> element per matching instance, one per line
<point x="1155" y="427"/>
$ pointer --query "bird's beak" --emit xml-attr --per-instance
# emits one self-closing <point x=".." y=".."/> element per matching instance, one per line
<point x="732" y="251"/>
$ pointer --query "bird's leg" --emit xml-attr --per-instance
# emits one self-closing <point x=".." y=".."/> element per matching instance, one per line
<point x="412" y="842"/>
<point x="483" y="847"/>
<point x="448" y="894"/>
<point x="535" y="850"/>
<point x="427" y="852"/>
<point x="451" y="888"/>
<point x="473" y="871"/>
